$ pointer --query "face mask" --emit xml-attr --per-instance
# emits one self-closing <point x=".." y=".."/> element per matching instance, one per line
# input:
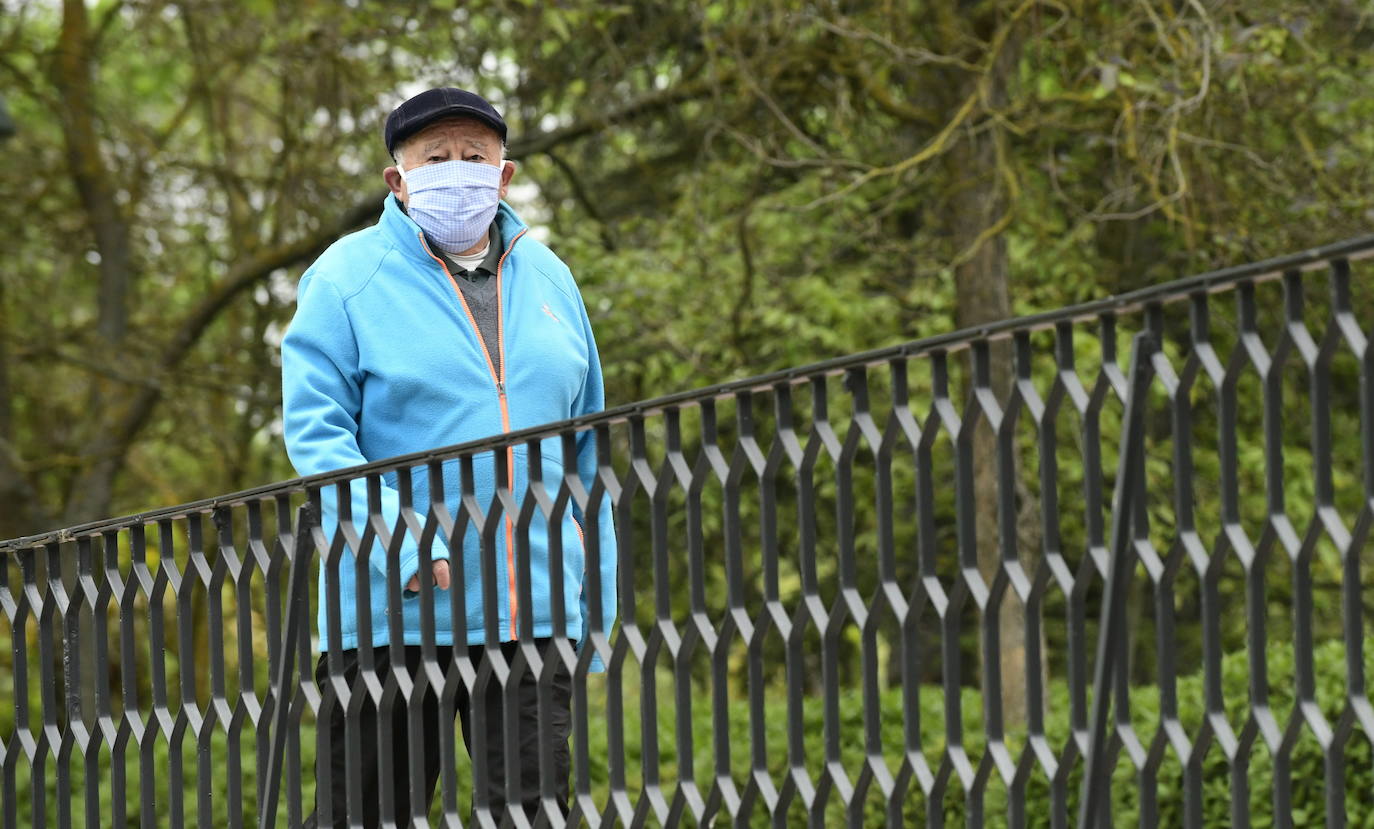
<point x="453" y="201"/>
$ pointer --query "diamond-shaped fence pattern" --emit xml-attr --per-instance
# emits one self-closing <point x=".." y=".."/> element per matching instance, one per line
<point x="1105" y="566"/>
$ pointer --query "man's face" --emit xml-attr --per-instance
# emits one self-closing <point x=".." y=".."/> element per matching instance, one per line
<point x="450" y="139"/>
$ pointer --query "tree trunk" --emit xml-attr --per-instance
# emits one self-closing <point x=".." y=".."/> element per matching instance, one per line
<point x="981" y="296"/>
<point x="90" y="173"/>
<point x="976" y="212"/>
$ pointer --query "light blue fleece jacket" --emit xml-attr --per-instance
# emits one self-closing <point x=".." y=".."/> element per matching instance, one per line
<point x="383" y="359"/>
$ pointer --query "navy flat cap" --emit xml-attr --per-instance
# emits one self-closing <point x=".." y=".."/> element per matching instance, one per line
<point x="431" y="105"/>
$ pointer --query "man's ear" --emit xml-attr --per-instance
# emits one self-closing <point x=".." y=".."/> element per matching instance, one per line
<point x="392" y="177"/>
<point x="507" y="173"/>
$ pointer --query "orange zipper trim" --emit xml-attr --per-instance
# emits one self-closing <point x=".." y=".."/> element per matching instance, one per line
<point x="583" y="539"/>
<point x="500" y="381"/>
<point x="505" y="419"/>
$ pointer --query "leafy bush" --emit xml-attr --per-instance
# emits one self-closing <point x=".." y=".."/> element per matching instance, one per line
<point x="1306" y="764"/>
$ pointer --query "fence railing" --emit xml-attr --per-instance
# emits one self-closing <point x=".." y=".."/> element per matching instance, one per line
<point x="869" y="591"/>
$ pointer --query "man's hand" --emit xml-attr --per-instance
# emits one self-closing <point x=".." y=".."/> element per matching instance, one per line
<point x="441" y="577"/>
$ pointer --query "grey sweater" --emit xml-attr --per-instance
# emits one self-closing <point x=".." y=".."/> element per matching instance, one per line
<point x="479" y="290"/>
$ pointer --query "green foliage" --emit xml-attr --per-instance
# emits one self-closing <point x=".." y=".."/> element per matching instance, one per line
<point x="739" y="188"/>
<point x="1306" y="771"/>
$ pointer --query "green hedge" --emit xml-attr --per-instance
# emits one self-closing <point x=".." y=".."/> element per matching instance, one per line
<point x="1308" y="775"/>
<point x="1308" y="772"/>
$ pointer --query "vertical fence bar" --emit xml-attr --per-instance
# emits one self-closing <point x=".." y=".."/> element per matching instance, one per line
<point x="9" y="745"/>
<point x="303" y="692"/>
<point x="200" y="724"/>
<point x="279" y="706"/>
<point x="699" y="632"/>
<point x="113" y="587"/>
<point x="656" y="485"/>
<point x="443" y="524"/>
<point x="583" y="807"/>
<point x="89" y="652"/>
<point x="53" y="649"/>
<point x="73" y="728"/>
<point x="241" y="568"/>
<point x="1097" y="775"/>
<point x="1353" y="608"/>
<point x="32" y="740"/>
<point x="758" y="788"/>
<point x="81" y="711"/>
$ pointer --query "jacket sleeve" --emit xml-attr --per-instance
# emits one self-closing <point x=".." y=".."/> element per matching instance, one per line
<point x="321" y="403"/>
<point x="592" y="399"/>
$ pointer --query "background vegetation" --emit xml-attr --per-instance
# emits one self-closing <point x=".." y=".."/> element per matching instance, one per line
<point x="739" y="187"/>
<point x="1306" y="763"/>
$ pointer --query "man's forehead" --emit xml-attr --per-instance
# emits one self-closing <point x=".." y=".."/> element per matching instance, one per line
<point x="468" y="129"/>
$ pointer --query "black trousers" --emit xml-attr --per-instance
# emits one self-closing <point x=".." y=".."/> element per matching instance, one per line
<point x="398" y="777"/>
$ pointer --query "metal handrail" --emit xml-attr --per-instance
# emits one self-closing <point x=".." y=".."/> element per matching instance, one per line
<point x="1358" y="248"/>
<point x="841" y="549"/>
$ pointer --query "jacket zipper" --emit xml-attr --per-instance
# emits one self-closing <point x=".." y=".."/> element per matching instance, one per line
<point x="499" y="378"/>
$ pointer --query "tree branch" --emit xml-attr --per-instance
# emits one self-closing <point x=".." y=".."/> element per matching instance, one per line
<point x="94" y="488"/>
<point x="584" y="198"/>
<point x="936" y="146"/>
<point x="102" y="27"/>
<point x="546" y="140"/>
<point x="746" y="294"/>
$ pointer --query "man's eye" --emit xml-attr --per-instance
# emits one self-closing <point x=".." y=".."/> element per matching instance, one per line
<point x="436" y="158"/>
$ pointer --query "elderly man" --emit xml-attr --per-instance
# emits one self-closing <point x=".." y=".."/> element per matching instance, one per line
<point x="444" y="322"/>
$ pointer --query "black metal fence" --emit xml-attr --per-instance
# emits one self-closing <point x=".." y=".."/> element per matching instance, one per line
<point x="871" y="591"/>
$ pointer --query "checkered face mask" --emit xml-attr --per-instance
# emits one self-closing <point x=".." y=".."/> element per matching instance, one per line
<point x="453" y="201"/>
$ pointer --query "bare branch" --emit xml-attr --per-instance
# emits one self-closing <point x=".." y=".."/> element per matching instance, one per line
<point x="746" y="295"/>
<point x="756" y="148"/>
<point x="94" y="488"/>
<point x="103" y="26"/>
<point x="541" y="142"/>
<point x="982" y="95"/>
<point x="583" y="198"/>
<point x="936" y="146"/>
<point x="910" y="55"/>
<point x="747" y="76"/>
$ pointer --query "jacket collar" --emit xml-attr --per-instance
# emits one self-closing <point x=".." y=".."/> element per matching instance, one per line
<point x="404" y="234"/>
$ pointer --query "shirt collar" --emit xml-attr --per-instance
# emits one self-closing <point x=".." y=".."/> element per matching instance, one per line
<point x="492" y="260"/>
<point x="489" y="263"/>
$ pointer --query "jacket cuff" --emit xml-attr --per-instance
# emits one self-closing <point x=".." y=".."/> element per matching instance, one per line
<point x="410" y="566"/>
